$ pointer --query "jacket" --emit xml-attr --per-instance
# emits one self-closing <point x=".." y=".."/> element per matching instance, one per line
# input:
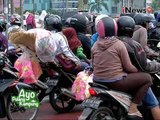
<point x="140" y="35"/>
<point x="47" y="47"/>
<point x="138" y="56"/>
<point x="86" y="44"/>
<point x="110" y="59"/>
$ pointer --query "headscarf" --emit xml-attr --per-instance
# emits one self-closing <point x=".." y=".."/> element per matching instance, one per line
<point x="72" y="38"/>
<point x="31" y="20"/>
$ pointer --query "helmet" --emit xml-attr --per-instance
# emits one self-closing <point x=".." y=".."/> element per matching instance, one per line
<point x="98" y="18"/>
<point x="3" y="24"/>
<point x="53" y="22"/>
<point x="128" y="14"/>
<point x="142" y="19"/>
<point x="152" y="18"/>
<point x="126" y="26"/>
<point x="15" y="20"/>
<point x="107" y="27"/>
<point x="79" y="22"/>
<point x="67" y="22"/>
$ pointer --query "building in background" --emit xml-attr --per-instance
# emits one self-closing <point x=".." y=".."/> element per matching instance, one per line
<point x="1" y="6"/>
<point x="37" y="5"/>
<point x="66" y="5"/>
<point x="148" y="2"/>
<point x="109" y="7"/>
<point x="134" y="3"/>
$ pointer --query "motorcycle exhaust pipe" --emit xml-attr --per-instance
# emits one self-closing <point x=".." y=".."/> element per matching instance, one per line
<point x="41" y="84"/>
<point x="68" y="93"/>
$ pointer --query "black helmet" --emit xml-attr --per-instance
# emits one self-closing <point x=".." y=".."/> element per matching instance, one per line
<point x="53" y="22"/>
<point x="107" y="27"/>
<point x="3" y="24"/>
<point x="15" y="20"/>
<point x="79" y="22"/>
<point x="128" y="14"/>
<point x="151" y="17"/>
<point x="142" y="19"/>
<point x="126" y="26"/>
<point x="67" y="22"/>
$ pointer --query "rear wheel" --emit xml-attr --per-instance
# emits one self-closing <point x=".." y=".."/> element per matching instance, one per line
<point x="15" y="112"/>
<point x="102" y="113"/>
<point x="60" y="102"/>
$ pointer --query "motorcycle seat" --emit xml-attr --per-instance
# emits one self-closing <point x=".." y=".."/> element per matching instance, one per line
<point x="93" y="84"/>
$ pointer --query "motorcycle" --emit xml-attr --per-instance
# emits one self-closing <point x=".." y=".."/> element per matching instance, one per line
<point x="10" y="85"/>
<point x="153" y="44"/>
<point x="108" y="104"/>
<point x="61" y="98"/>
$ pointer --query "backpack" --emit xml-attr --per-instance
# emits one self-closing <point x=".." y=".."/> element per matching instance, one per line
<point x="136" y="53"/>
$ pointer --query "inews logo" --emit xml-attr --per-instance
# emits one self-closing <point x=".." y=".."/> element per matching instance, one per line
<point x="134" y="10"/>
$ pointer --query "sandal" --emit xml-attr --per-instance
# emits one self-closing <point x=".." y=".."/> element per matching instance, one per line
<point x="135" y="116"/>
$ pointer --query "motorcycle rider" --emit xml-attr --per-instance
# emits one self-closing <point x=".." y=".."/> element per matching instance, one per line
<point x="140" y="35"/>
<point x="53" y="23"/>
<point x="15" y="22"/>
<point x="3" y="38"/>
<point x="79" y="23"/>
<point x="75" y="44"/>
<point x="126" y="27"/>
<point x="112" y="66"/>
<point x="45" y="44"/>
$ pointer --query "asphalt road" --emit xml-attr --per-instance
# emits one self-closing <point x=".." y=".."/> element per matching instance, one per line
<point x="46" y="112"/>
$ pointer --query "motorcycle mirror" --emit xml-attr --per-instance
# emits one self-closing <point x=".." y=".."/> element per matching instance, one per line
<point x="5" y="51"/>
<point x="158" y="45"/>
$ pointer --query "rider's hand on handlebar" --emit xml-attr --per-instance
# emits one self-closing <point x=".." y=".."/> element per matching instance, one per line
<point x="88" y="61"/>
<point x="156" y="54"/>
<point x="78" y="67"/>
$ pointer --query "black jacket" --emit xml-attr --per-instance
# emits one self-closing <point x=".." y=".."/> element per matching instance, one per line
<point x="138" y="56"/>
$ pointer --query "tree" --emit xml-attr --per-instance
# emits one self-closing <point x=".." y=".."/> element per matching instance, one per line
<point x="12" y="6"/>
<point x="155" y="4"/>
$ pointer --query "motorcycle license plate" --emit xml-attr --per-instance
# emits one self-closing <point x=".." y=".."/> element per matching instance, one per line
<point x="93" y="103"/>
<point x="85" y="114"/>
<point x="52" y="82"/>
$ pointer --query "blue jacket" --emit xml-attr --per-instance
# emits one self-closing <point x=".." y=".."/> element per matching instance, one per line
<point x="94" y="38"/>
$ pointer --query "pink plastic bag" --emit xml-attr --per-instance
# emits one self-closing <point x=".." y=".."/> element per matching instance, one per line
<point x="80" y="86"/>
<point x="28" y="67"/>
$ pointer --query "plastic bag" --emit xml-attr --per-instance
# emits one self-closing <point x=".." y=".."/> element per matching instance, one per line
<point x="28" y="67"/>
<point x="80" y="85"/>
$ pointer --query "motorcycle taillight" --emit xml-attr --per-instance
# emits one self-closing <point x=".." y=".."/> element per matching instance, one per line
<point x="92" y="92"/>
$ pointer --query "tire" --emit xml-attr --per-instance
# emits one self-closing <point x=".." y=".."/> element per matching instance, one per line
<point x="61" y="103"/>
<point x="17" y="113"/>
<point x="102" y="113"/>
